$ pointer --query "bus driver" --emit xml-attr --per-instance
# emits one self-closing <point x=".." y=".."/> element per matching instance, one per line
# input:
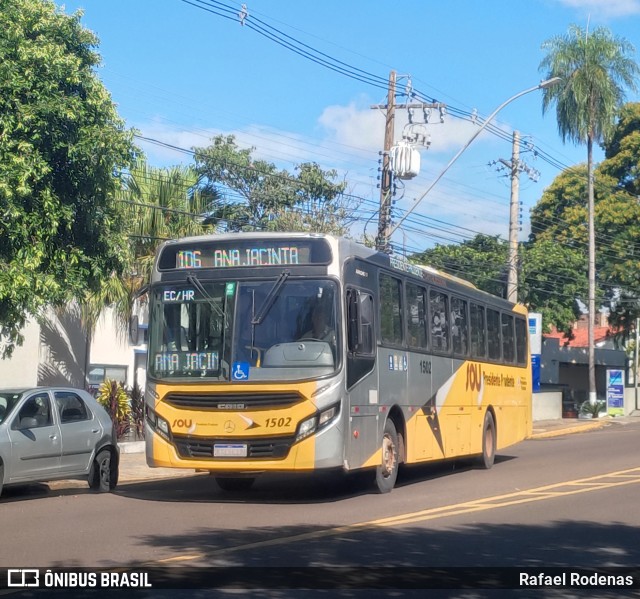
<point x="320" y="329"/>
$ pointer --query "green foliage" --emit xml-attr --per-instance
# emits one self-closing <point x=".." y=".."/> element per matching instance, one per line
<point x="593" y="409"/>
<point x="552" y="277"/>
<point x="594" y="67"/>
<point x="481" y="261"/>
<point x="266" y="198"/>
<point x="559" y="232"/>
<point x="158" y="204"/>
<point x="136" y="399"/>
<point x="60" y="142"/>
<point x="113" y="397"/>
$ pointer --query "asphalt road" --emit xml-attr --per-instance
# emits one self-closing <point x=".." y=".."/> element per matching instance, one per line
<point x="567" y="502"/>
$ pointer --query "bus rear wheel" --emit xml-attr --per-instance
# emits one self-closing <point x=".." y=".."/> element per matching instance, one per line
<point x="387" y="471"/>
<point x="234" y="484"/>
<point x="488" y="441"/>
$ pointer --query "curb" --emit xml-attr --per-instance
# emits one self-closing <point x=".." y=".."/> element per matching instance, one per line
<point x="131" y="446"/>
<point x="587" y="426"/>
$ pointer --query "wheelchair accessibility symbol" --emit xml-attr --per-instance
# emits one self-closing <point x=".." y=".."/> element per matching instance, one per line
<point x="240" y="371"/>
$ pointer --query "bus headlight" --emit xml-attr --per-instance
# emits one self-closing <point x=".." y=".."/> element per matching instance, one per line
<point x="163" y="425"/>
<point x="327" y="416"/>
<point x="307" y="428"/>
<point x="159" y="425"/>
<point x="317" y="422"/>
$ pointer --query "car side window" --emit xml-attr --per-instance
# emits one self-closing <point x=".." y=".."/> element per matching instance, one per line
<point x="71" y="407"/>
<point x="35" y="412"/>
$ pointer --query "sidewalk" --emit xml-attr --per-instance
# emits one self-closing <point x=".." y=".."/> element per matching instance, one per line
<point x="133" y="465"/>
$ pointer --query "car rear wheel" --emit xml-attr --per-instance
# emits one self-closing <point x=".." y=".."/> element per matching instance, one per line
<point x="104" y="476"/>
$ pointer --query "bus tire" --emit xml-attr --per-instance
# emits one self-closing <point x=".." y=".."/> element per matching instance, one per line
<point x="387" y="471"/>
<point x="488" y="441"/>
<point x="234" y="484"/>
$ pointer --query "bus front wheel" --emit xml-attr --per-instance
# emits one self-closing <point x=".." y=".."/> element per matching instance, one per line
<point x="488" y="441"/>
<point x="387" y="471"/>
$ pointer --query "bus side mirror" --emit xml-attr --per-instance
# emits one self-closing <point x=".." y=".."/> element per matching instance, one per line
<point x="133" y="330"/>
<point x="354" y="333"/>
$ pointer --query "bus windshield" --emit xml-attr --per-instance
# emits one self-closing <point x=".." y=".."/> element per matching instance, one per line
<point x="235" y="331"/>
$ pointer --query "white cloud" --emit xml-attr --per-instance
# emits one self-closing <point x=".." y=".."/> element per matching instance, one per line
<point x="606" y="8"/>
<point x="363" y="128"/>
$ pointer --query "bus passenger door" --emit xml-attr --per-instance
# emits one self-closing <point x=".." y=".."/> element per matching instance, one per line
<point x="361" y="380"/>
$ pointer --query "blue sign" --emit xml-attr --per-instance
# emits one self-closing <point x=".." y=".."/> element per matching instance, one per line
<point x="615" y="393"/>
<point x="240" y="371"/>
<point x="535" y="372"/>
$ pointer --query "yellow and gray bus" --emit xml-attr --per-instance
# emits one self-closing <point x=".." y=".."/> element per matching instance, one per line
<point x="298" y="352"/>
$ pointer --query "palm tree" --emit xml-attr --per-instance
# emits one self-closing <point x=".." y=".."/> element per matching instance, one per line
<point x="158" y="204"/>
<point x="595" y="68"/>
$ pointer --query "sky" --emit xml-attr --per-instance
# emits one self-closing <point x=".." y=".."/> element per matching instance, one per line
<point x="184" y="71"/>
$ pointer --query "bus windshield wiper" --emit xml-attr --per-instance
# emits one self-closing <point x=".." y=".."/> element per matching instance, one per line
<point x="195" y="281"/>
<point x="271" y="297"/>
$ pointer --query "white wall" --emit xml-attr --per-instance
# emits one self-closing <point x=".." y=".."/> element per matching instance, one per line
<point x="21" y="370"/>
<point x="111" y="348"/>
<point x="547" y="406"/>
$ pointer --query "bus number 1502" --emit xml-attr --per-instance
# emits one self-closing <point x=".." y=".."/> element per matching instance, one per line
<point x="278" y="422"/>
<point x="425" y="366"/>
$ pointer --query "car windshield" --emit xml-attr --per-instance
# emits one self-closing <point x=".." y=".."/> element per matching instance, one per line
<point x="280" y="329"/>
<point x="8" y="400"/>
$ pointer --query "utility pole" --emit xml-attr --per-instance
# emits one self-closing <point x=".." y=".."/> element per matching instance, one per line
<point x="514" y="167"/>
<point x="383" y="239"/>
<point x="384" y="214"/>
<point x="635" y="362"/>
<point x="514" y="205"/>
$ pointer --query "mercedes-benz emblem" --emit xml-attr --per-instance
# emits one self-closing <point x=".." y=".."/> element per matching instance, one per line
<point x="229" y="427"/>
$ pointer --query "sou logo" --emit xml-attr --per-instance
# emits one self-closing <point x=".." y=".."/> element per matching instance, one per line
<point x="474" y="377"/>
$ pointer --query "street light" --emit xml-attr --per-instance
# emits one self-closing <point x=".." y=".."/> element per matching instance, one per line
<point x="541" y="85"/>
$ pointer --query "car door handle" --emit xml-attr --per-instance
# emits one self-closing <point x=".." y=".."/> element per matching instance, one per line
<point x="95" y="430"/>
<point x="53" y="437"/>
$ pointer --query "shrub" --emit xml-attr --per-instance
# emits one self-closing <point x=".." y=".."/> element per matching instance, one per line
<point x="114" y="399"/>
<point x="136" y="395"/>
<point x="593" y="409"/>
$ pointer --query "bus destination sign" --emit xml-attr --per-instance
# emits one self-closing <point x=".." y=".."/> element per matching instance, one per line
<point x="221" y="254"/>
<point x="233" y="257"/>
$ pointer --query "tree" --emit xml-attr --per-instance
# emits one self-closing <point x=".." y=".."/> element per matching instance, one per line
<point x="259" y="196"/>
<point x="552" y="279"/>
<point x="60" y="142"/>
<point x="547" y="282"/>
<point x="481" y="261"/>
<point x="159" y="204"/>
<point x="595" y="68"/>
<point x="561" y="216"/>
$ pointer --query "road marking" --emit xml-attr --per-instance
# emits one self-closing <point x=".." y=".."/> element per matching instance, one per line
<point x="561" y="489"/>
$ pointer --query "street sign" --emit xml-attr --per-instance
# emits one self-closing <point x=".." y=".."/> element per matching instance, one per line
<point x="615" y="392"/>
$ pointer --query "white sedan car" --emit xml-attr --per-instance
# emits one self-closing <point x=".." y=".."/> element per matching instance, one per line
<point x="51" y="433"/>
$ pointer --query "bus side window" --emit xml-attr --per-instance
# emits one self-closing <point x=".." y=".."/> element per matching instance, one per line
<point x="360" y="322"/>
<point x="459" y="326"/>
<point x="508" y="341"/>
<point x="494" y="334"/>
<point x="417" y="316"/>
<point x="438" y="305"/>
<point x="478" y="336"/>
<point x="521" y="341"/>
<point x="390" y="310"/>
